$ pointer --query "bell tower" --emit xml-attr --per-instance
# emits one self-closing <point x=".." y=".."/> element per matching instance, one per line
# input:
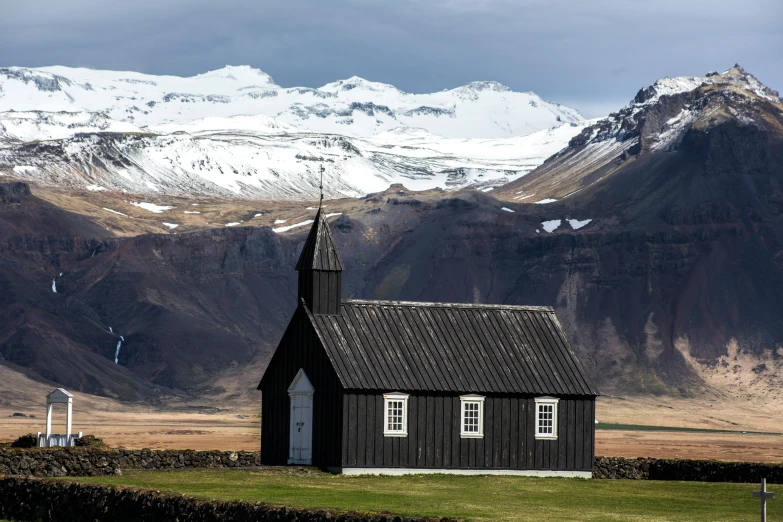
<point x="320" y="269"/>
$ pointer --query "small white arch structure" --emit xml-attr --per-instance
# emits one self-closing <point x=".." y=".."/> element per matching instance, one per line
<point x="49" y="439"/>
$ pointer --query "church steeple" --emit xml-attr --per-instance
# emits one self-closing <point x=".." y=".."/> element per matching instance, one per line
<point x="320" y="269"/>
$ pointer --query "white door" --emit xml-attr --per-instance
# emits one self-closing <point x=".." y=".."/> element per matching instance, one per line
<point x="301" y="433"/>
<point x="301" y="429"/>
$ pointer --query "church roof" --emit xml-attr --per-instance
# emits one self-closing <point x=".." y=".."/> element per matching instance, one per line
<point x="410" y="346"/>
<point x="319" y="252"/>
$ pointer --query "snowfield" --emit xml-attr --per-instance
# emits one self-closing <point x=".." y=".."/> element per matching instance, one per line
<point x="275" y="163"/>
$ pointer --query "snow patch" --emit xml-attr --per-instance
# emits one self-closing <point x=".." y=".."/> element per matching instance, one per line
<point x="258" y="215"/>
<point x="576" y="224"/>
<point x="192" y="212"/>
<point x="96" y="188"/>
<point x="172" y="226"/>
<point x="279" y="221"/>
<point x="506" y="209"/>
<point x="545" y="201"/>
<point x="289" y="227"/>
<point x="551" y="225"/>
<point x="21" y="169"/>
<point x="152" y="207"/>
<point x="54" y="285"/>
<point x="115" y="212"/>
<point x="117" y="352"/>
<point x="233" y="224"/>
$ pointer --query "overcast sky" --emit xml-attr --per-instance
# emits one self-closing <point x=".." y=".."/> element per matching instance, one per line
<point x="590" y="54"/>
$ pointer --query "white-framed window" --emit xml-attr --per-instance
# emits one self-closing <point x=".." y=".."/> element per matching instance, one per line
<point x="395" y="415"/>
<point x="472" y="416"/>
<point x="546" y="418"/>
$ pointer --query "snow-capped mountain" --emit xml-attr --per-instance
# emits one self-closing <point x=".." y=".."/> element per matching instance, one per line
<point x="259" y="157"/>
<point x="352" y="107"/>
<point x="665" y="119"/>
<point x="623" y="127"/>
<point x="234" y="132"/>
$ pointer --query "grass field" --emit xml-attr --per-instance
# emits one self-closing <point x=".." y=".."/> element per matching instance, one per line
<point x="645" y="427"/>
<point x="467" y="498"/>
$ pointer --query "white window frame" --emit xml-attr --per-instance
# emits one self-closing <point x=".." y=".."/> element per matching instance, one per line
<point x="473" y="399"/>
<point x="553" y="401"/>
<point x="387" y="398"/>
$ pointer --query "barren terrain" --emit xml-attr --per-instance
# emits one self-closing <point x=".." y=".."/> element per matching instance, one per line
<point x="234" y="425"/>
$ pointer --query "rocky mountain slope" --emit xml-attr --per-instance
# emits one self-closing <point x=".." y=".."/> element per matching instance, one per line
<point x="691" y="172"/>
<point x="654" y="123"/>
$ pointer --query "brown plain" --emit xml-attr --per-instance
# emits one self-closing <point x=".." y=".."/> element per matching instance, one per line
<point x="225" y="424"/>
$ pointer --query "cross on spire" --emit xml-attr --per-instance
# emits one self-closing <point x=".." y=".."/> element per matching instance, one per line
<point x="321" y="186"/>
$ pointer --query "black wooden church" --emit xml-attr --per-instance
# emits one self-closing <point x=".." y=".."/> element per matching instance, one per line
<point x="399" y="387"/>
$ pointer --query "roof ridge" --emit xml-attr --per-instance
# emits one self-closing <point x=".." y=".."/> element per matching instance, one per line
<point x="528" y="308"/>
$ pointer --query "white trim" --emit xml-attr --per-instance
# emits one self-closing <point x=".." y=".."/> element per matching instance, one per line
<point x="301" y="384"/>
<point x="553" y="401"/>
<point x="396" y="397"/>
<point x="430" y="471"/>
<point x="474" y="399"/>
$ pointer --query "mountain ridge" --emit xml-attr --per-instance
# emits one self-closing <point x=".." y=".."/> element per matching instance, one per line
<point x="353" y="107"/>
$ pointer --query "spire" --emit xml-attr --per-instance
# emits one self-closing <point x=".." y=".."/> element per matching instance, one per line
<point x="319" y="252"/>
<point x="320" y="269"/>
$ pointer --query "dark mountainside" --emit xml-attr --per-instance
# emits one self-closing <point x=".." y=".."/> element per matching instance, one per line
<point x="682" y="256"/>
<point x="689" y="189"/>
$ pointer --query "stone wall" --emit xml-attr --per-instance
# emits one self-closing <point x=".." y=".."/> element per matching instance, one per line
<point x="47" y="501"/>
<point x="75" y="462"/>
<point x="690" y="470"/>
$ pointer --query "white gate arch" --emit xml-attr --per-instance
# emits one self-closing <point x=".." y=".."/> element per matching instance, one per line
<point x="58" y="396"/>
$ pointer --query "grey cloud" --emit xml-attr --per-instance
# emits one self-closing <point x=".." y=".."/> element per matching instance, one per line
<point x="589" y="54"/>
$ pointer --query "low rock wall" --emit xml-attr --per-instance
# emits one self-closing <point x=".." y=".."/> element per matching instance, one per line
<point x="75" y="462"/>
<point x="48" y="501"/>
<point x="85" y="462"/>
<point x="689" y="470"/>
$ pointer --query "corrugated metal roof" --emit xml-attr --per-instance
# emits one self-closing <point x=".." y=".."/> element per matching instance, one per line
<point x="409" y="346"/>
<point x="319" y="252"/>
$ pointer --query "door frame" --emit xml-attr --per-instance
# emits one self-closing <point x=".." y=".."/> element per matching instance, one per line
<point x="300" y="387"/>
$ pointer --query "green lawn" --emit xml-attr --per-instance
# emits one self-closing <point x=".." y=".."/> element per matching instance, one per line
<point x="644" y="427"/>
<point x="466" y="497"/>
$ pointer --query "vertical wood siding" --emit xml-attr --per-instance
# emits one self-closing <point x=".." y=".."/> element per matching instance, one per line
<point x="321" y="290"/>
<point x="300" y="348"/>
<point x="434" y="440"/>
